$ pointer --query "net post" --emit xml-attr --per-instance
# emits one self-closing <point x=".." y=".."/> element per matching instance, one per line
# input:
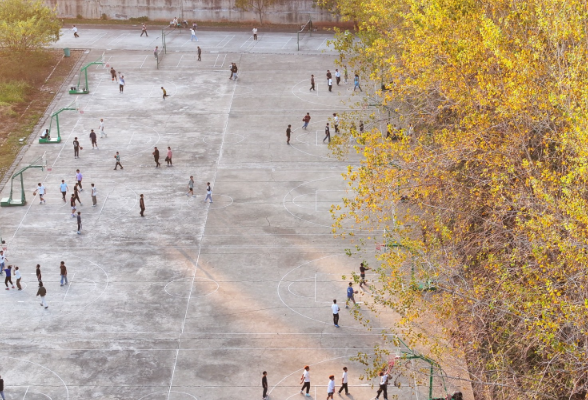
<point x="298" y="34"/>
<point x="310" y="22"/>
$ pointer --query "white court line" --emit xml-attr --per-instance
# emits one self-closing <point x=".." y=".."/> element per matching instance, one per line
<point x="213" y="180"/>
<point x="229" y="39"/>
<point x="286" y="43"/>
<point x="246" y="42"/>
<point x="68" y="286"/>
<point x="98" y="38"/>
<point x="145" y="59"/>
<point x="116" y="38"/>
<point x="180" y="61"/>
<point x="321" y="45"/>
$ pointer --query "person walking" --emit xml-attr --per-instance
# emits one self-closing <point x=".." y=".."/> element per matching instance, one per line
<point x="117" y="157"/>
<point x="336" y="122"/>
<point x="79" y="178"/>
<point x="327" y="133"/>
<point x="383" y="385"/>
<point x="331" y="387"/>
<point x="234" y="70"/>
<point x="288" y="132"/>
<point x="18" y="277"/>
<point x="8" y="277"/>
<point x="2" y="388"/>
<point x="199" y="54"/>
<point x="344" y="382"/>
<point x="156" y="157"/>
<point x="350" y="293"/>
<point x="77" y="195"/>
<point x="75" y="31"/>
<point x="93" y="139"/>
<point x="329" y="75"/>
<point x="360" y="126"/>
<point x="312" y="83"/>
<point x="208" y="193"/>
<point x="63" y="189"/>
<point x="337" y="76"/>
<point x="254" y="30"/>
<point x="113" y="74"/>
<point x="362" y="269"/>
<point x="168" y="158"/>
<point x="76" y="146"/>
<point x="410" y="130"/>
<point x="305" y="380"/>
<point x="38" y="273"/>
<point x="156" y="52"/>
<point x="102" y="134"/>
<point x="41" y="192"/>
<point x="42" y="292"/>
<point x="164" y="93"/>
<point x="63" y="273"/>
<point x="72" y="203"/>
<point x="336" y="309"/>
<point x="193" y="35"/>
<point x="141" y="205"/>
<point x="190" y="187"/>
<point x="3" y="260"/>
<point x="121" y="84"/>
<point x="94" y="193"/>
<point x="330" y="82"/>
<point x="356" y="83"/>
<point x="144" y="31"/>
<point x="306" y="120"/>
<point x="79" y="222"/>
<point x="264" y="385"/>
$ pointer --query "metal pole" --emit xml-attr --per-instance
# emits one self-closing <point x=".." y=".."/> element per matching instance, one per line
<point x="431" y="384"/>
<point x="22" y="190"/>
<point x="57" y="123"/>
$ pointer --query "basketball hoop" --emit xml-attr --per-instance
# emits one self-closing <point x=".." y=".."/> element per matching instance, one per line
<point x="107" y="65"/>
<point x="379" y="246"/>
<point x="81" y="111"/>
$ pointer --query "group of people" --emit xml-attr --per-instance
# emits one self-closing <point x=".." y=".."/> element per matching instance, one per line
<point x="13" y="269"/>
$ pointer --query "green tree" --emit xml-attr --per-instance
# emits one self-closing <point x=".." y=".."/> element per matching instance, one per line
<point x="258" y="6"/>
<point x="490" y="190"/>
<point x="27" y="25"/>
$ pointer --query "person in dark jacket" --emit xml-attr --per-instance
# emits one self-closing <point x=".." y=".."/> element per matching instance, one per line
<point x="42" y="292"/>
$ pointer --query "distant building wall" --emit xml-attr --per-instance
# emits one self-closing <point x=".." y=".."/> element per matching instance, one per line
<point x="283" y="12"/>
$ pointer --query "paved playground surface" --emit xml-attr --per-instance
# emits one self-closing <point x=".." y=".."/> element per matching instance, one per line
<point x="194" y="300"/>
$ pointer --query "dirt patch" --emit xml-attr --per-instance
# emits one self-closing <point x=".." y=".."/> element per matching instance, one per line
<point x="44" y="73"/>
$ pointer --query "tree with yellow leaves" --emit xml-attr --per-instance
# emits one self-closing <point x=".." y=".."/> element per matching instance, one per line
<point x="486" y="199"/>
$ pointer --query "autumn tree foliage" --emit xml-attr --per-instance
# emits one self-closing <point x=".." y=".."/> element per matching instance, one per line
<point x="27" y="25"/>
<point x="487" y="200"/>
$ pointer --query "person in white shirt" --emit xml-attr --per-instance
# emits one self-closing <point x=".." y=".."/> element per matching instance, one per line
<point x="94" y="193"/>
<point x="102" y="134"/>
<point x="3" y="259"/>
<point x="337" y="76"/>
<point x="18" y="277"/>
<point x="305" y="380"/>
<point x="75" y="31"/>
<point x="336" y="310"/>
<point x="344" y="382"/>
<point x="383" y="383"/>
<point x="254" y="30"/>
<point x="41" y="191"/>
<point x="336" y="122"/>
<point x="193" y="33"/>
<point x="331" y="387"/>
<point x="208" y="192"/>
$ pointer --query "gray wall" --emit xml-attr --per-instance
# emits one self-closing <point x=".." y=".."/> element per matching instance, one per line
<point x="283" y="12"/>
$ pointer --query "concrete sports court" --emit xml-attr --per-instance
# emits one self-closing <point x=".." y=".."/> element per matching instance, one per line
<point x="194" y="300"/>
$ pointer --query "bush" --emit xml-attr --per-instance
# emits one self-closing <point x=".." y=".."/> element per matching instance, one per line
<point x="13" y="91"/>
<point x="139" y="19"/>
<point x="104" y="17"/>
<point x="79" y="16"/>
